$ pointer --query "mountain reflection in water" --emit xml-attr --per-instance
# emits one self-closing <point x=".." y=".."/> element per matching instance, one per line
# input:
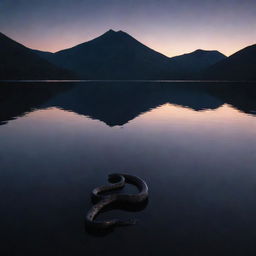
<point x="118" y="103"/>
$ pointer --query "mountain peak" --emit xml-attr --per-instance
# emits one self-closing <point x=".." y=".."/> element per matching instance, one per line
<point x="201" y="51"/>
<point x="114" y="35"/>
<point x="113" y="32"/>
<point x="110" y="31"/>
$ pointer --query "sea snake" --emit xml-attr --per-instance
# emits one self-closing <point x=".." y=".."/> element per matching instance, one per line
<point x="118" y="181"/>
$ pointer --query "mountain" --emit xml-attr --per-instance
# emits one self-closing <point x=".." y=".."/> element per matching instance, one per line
<point x="195" y="62"/>
<point x="115" y="55"/>
<point x="239" y="66"/>
<point x="20" y="62"/>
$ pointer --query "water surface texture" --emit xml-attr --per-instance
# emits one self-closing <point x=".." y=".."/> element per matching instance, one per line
<point x="194" y="144"/>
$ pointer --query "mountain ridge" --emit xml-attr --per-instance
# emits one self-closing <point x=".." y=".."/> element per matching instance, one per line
<point x="240" y="66"/>
<point x="20" y="62"/>
<point x="112" y="54"/>
<point x="116" y="55"/>
<point x="197" y="61"/>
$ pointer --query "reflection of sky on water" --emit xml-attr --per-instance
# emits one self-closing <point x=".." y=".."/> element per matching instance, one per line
<point x="199" y="165"/>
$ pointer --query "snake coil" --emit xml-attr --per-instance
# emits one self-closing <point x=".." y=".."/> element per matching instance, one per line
<point x="118" y="181"/>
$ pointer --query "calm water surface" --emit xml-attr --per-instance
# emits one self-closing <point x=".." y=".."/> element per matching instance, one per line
<point x="194" y="144"/>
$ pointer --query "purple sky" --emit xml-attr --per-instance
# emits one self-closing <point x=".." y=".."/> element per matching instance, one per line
<point x="171" y="27"/>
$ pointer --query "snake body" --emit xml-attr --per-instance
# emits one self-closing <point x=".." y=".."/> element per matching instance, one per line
<point x="118" y="181"/>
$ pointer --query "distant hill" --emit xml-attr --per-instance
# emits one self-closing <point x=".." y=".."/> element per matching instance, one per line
<point x="195" y="62"/>
<point x="115" y="55"/>
<point x="20" y="62"/>
<point x="239" y="66"/>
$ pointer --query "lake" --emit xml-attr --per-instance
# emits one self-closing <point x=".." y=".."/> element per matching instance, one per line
<point x="193" y="143"/>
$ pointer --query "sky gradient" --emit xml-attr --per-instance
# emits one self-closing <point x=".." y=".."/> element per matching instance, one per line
<point x="172" y="27"/>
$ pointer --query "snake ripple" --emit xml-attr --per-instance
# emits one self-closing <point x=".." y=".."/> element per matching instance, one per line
<point x="118" y="181"/>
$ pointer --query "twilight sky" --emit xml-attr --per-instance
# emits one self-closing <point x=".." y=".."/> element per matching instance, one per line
<point x="171" y="27"/>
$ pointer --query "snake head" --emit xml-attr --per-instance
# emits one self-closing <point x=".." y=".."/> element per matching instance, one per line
<point x="114" y="178"/>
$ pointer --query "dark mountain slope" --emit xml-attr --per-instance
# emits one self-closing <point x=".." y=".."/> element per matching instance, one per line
<point x="239" y="66"/>
<point x="19" y="62"/>
<point x="43" y="54"/>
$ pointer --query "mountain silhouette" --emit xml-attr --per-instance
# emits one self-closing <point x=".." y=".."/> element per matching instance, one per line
<point x="195" y="62"/>
<point x="239" y="66"/>
<point x="115" y="55"/>
<point x="20" y="62"/>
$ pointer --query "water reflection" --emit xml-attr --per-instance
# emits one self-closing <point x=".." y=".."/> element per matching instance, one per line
<point x="196" y="152"/>
<point x="118" y="103"/>
<point x="116" y="206"/>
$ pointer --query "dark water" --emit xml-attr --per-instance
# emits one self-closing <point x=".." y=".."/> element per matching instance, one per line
<point x="194" y="144"/>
